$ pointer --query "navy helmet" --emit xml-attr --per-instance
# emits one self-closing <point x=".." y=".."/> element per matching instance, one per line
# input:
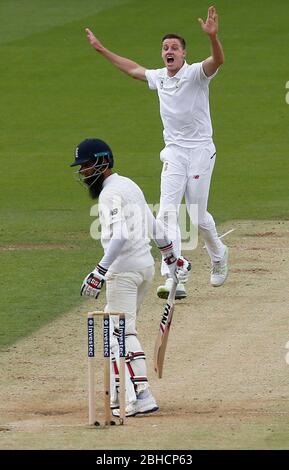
<point x="93" y="150"/>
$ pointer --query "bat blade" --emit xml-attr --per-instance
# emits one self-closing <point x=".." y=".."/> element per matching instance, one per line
<point x="163" y="334"/>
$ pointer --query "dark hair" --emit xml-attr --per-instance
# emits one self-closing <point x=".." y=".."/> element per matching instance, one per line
<point x="175" y="36"/>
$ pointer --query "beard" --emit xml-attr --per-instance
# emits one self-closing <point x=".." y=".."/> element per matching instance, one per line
<point x="95" y="187"/>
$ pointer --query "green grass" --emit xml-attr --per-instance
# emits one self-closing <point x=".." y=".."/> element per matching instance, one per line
<point x="55" y="91"/>
<point x="33" y="296"/>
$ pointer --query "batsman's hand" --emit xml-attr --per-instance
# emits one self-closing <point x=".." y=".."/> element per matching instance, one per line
<point x="93" y="40"/>
<point x="170" y="259"/>
<point x="93" y="282"/>
<point x="183" y="269"/>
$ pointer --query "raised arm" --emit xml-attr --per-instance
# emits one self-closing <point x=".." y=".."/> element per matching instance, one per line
<point x="211" y="27"/>
<point x="127" y="66"/>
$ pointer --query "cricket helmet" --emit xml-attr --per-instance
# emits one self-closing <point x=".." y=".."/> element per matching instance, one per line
<point x="93" y="150"/>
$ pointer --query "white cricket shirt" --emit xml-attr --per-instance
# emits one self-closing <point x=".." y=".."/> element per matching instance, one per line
<point x="122" y="204"/>
<point x="184" y="104"/>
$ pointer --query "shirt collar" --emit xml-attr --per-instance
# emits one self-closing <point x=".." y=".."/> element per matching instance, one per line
<point x="110" y="179"/>
<point x="180" y="73"/>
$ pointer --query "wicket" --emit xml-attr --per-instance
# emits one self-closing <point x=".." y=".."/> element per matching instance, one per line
<point x="106" y="354"/>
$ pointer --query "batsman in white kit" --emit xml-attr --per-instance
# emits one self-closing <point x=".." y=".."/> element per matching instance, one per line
<point x="127" y="267"/>
<point x="189" y="155"/>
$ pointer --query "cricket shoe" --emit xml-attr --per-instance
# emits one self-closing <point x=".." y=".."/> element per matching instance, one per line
<point x="114" y="404"/>
<point x="163" y="291"/>
<point x="220" y="269"/>
<point x="141" y="406"/>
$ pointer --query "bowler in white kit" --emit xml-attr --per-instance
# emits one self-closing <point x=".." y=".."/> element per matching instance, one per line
<point x="189" y="154"/>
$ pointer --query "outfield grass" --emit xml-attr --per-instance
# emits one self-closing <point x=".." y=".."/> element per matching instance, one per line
<point x="55" y="91"/>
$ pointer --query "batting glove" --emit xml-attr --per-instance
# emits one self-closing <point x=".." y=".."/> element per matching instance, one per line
<point x="93" y="282"/>
<point x="169" y="258"/>
<point x="183" y="269"/>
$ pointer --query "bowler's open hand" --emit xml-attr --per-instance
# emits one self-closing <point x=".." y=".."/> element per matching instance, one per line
<point x="93" y="40"/>
<point x="211" y="25"/>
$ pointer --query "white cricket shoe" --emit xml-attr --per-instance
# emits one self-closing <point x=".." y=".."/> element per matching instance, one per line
<point x="141" y="406"/>
<point x="164" y="290"/>
<point x="114" y="404"/>
<point x="220" y="269"/>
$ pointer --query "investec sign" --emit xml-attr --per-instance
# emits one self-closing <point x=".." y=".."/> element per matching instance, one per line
<point x="90" y="332"/>
<point x="106" y="350"/>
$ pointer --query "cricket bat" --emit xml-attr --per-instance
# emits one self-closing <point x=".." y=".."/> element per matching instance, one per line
<point x="164" y="330"/>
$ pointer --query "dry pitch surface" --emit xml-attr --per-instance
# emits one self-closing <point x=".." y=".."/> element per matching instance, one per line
<point x="225" y="383"/>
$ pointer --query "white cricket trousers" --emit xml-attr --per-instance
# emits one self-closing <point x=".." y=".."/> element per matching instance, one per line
<point x="124" y="293"/>
<point x="187" y="172"/>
